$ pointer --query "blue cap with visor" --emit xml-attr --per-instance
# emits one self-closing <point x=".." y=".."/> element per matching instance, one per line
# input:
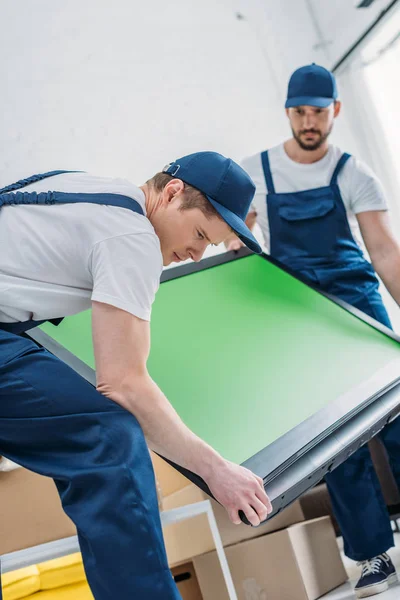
<point x="311" y="85"/>
<point x="226" y="186"/>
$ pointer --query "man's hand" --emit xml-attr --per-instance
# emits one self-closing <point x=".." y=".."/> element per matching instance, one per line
<point x="234" y="244"/>
<point x="237" y="488"/>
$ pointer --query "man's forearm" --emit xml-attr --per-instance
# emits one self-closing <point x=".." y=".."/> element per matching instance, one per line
<point x="165" y="431"/>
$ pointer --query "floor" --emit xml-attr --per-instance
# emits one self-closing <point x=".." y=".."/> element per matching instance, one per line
<point x="345" y="592"/>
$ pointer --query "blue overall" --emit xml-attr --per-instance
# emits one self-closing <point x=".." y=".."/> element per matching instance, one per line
<point x="310" y="234"/>
<point x="53" y="422"/>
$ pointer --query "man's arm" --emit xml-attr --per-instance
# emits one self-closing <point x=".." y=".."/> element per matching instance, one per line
<point x="121" y="347"/>
<point x="383" y="248"/>
<point x="233" y="242"/>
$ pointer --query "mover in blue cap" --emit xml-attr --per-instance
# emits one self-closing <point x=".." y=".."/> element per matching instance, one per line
<point x="317" y="207"/>
<point x="101" y="243"/>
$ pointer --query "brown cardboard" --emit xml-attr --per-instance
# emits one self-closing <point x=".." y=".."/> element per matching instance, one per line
<point x="193" y="536"/>
<point x="299" y="563"/>
<point x="31" y="511"/>
<point x="187" y="539"/>
<point x="186" y="581"/>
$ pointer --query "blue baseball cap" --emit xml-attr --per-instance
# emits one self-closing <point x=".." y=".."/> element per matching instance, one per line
<point x="311" y="86"/>
<point x="226" y="186"/>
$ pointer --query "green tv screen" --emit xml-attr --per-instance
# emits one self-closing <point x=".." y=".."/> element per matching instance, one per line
<point x="245" y="352"/>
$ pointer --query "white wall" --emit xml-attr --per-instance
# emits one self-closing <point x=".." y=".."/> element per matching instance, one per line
<point x="124" y="87"/>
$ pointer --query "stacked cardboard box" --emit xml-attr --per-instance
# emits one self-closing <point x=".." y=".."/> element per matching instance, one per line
<point x="301" y="562"/>
<point x="288" y="558"/>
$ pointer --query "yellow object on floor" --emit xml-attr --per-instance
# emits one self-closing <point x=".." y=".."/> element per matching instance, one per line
<point x="21" y="583"/>
<point x="77" y="591"/>
<point x="61" y="571"/>
<point x="57" y="579"/>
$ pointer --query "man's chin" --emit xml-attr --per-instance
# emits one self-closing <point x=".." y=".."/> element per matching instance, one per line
<point x="311" y="145"/>
<point x="168" y="260"/>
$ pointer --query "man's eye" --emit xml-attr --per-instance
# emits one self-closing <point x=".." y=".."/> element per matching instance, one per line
<point x="201" y="236"/>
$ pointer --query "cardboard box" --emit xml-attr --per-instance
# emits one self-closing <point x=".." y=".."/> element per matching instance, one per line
<point x="299" y="563"/>
<point x="186" y="581"/>
<point x="31" y="511"/>
<point x="192" y="537"/>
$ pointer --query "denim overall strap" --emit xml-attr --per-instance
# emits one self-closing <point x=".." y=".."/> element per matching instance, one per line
<point x="48" y="198"/>
<point x="267" y="172"/>
<point x="342" y="161"/>
<point x="9" y="198"/>
<point x="32" y="179"/>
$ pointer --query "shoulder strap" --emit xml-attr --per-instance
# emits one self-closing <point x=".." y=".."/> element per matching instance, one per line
<point x="32" y="179"/>
<point x="45" y="198"/>
<point x="342" y="161"/>
<point x="267" y="172"/>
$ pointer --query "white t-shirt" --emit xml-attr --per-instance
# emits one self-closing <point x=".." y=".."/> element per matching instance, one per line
<point x="56" y="259"/>
<point x="361" y="191"/>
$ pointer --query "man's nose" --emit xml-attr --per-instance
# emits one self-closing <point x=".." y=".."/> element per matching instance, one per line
<point x="197" y="253"/>
<point x="309" y="122"/>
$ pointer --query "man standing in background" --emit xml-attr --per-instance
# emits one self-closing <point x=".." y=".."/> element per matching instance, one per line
<point x="316" y="206"/>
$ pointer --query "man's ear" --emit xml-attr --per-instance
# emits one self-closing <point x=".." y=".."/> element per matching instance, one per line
<point x="336" y="108"/>
<point x="172" y="190"/>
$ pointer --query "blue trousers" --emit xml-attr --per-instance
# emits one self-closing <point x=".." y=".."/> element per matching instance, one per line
<point x="55" y="423"/>
<point x="354" y="487"/>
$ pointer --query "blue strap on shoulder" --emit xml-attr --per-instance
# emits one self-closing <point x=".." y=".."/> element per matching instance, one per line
<point x="342" y="161"/>
<point x="32" y="179"/>
<point x="267" y="172"/>
<point x="46" y="198"/>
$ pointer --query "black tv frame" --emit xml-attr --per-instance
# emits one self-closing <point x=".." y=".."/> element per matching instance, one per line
<point x="299" y="459"/>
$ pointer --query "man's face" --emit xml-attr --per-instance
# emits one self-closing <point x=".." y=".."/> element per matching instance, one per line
<point x="185" y="233"/>
<point x="311" y="125"/>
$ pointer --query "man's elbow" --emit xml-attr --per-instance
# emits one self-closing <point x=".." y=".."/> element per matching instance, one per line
<point x="126" y="390"/>
<point x="386" y="260"/>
